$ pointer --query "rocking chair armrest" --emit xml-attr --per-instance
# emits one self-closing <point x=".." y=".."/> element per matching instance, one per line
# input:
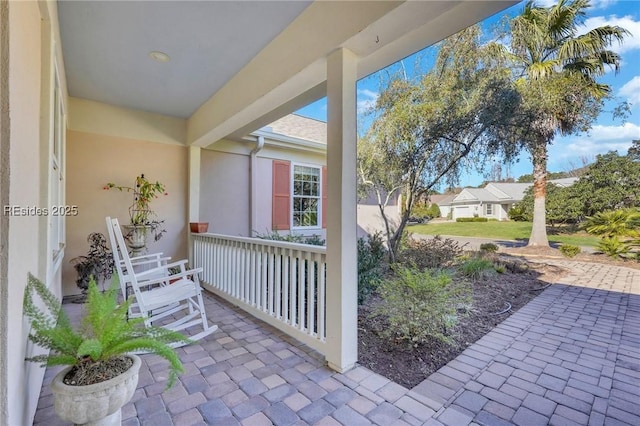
<point x="181" y="263"/>
<point x="146" y="256"/>
<point x="150" y="261"/>
<point x="164" y="279"/>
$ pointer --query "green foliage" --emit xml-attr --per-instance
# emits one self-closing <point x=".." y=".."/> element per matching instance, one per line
<point x="472" y="219"/>
<point x="489" y="247"/>
<point x="614" y="223"/>
<point x="556" y="68"/>
<point x="433" y="252"/>
<point x="477" y="268"/>
<point x="569" y="250"/>
<point x="613" y="247"/>
<point x="423" y="136"/>
<point x="563" y="205"/>
<point x="612" y="182"/>
<point x="105" y="332"/>
<point x="314" y="240"/>
<point x="619" y="230"/>
<point x="420" y="304"/>
<point x="519" y="213"/>
<point x="371" y="254"/>
<point x="422" y="210"/>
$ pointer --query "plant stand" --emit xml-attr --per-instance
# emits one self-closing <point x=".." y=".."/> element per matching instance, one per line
<point x="98" y="404"/>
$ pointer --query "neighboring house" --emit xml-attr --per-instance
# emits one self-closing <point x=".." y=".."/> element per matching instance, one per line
<point x="284" y="164"/>
<point x="443" y="201"/>
<point x="493" y="201"/>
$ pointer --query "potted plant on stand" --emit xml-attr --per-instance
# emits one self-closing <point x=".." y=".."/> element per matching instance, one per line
<point x="142" y="217"/>
<point x="102" y="374"/>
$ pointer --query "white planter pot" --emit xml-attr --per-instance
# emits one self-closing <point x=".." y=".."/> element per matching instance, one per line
<point x="137" y="237"/>
<point x="97" y="404"/>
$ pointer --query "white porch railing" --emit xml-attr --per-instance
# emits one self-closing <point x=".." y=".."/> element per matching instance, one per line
<point x="281" y="283"/>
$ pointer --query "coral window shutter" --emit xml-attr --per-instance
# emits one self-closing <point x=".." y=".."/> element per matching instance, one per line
<point x="281" y="203"/>
<point x="324" y="196"/>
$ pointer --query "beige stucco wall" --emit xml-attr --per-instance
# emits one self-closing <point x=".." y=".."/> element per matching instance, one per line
<point x="97" y="117"/>
<point x="95" y="159"/>
<point x="23" y="379"/>
<point x="224" y="192"/>
<point x="264" y="195"/>
<point x="225" y="183"/>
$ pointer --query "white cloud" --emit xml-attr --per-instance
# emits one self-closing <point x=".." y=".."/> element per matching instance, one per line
<point x="630" y="42"/>
<point x="631" y="90"/>
<point x="601" y="139"/>
<point x="366" y="100"/>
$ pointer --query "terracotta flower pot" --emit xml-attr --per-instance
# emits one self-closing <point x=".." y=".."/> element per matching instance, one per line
<point x="97" y="404"/>
<point x="199" y="227"/>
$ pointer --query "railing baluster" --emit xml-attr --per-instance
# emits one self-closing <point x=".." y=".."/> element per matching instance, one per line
<point x="284" y="282"/>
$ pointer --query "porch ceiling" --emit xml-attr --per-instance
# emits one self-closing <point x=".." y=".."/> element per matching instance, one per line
<point x="237" y="66"/>
<point x="106" y="46"/>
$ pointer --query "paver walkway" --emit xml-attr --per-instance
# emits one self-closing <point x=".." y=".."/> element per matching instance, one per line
<point x="570" y="356"/>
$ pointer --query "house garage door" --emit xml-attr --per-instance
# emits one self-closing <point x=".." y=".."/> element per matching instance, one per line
<point x="462" y="211"/>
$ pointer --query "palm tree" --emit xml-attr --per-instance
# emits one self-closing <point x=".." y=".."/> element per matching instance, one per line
<point x="556" y="69"/>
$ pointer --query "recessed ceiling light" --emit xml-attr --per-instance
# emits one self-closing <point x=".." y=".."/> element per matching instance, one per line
<point x="159" y="56"/>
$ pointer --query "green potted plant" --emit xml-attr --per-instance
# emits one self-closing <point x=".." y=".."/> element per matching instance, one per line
<point x="141" y="215"/>
<point x="102" y="372"/>
<point x="98" y="262"/>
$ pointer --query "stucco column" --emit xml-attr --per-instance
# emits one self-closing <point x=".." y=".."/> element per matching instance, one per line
<point x="194" y="193"/>
<point x="342" y="254"/>
<point x="194" y="183"/>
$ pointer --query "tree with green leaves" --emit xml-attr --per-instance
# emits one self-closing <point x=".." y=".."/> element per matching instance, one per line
<point x="611" y="183"/>
<point x="425" y="131"/>
<point x="556" y="70"/>
<point x="562" y="205"/>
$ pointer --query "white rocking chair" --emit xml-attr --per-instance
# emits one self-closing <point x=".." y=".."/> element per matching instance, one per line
<point x="173" y="301"/>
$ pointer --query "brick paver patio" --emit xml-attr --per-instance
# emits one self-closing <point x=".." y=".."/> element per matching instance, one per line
<point x="569" y="357"/>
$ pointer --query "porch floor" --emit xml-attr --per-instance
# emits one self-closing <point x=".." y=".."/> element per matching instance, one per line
<point x="570" y="356"/>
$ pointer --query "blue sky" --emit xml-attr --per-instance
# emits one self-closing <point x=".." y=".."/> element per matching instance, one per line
<point x="565" y="152"/>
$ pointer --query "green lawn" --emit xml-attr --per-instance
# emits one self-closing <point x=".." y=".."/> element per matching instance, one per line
<point x="509" y="230"/>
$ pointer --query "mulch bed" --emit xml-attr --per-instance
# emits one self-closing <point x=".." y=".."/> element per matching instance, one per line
<point x="408" y="365"/>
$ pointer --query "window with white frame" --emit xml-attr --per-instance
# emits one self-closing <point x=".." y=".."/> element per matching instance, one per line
<point x="306" y="196"/>
<point x="488" y="209"/>
<point x="56" y="172"/>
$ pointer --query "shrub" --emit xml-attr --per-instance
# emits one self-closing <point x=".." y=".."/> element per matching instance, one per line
<point x="434" y="210"/>
<point x="477" y="268"/>
<point x="489" y="247"/>
<point x="314" y="240"/>
<point x="569" y="250"/>
<point x="371" y="253"/>
<point x="613" y="247"/>
<point x="472" y="219"/>
<point x="420" y="304"/>
<point x="434" y="252"/>
<point x="519" y="213"/>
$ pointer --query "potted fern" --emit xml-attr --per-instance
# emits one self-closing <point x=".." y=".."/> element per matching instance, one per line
<point x="102" y="372"/>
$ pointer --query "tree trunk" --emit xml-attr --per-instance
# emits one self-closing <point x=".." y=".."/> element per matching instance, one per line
<point x="539" y="229"/>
